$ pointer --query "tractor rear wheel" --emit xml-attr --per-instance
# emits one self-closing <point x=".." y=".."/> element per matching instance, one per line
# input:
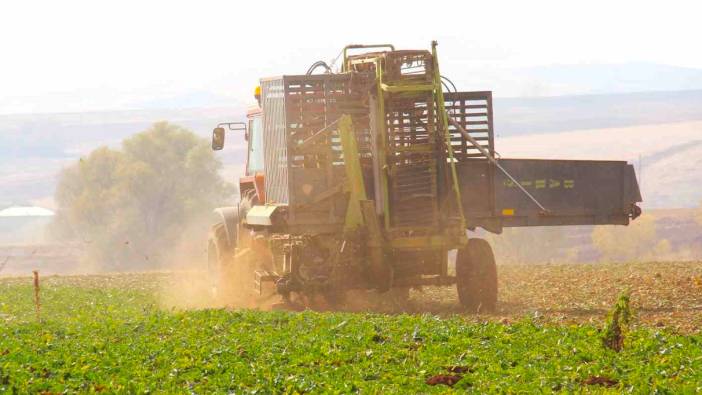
<point x="231" y="264"/>
<point x="220" y="259"/>
<point x="476" y="276"/>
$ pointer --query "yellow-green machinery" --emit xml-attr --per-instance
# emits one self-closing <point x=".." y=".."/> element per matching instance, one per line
<point x="368" y="177"/>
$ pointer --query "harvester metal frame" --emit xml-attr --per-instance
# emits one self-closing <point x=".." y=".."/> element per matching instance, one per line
<point x="369" y="183"/>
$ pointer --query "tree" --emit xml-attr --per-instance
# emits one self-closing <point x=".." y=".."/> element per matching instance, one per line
<point x="130" y="206"/>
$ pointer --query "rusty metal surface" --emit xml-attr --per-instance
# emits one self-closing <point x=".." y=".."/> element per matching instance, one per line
<point x="302" y="148"/>
<point x="304" y="161"/>
<point x="427" y="162"/>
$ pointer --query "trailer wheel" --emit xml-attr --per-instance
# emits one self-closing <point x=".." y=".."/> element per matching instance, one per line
<point x="476" y="276"/>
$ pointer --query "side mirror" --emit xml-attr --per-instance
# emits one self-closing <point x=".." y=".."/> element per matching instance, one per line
<point x="218" y="138"/>
<point x="218" y="133"/>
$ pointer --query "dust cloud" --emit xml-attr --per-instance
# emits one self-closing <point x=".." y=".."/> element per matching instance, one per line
<point x="189" y="284"/>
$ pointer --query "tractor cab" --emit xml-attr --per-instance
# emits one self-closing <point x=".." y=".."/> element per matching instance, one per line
<point x="254" y="138"/>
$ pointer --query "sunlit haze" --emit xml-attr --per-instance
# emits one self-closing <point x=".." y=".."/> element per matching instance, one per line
<point x="73" y="56"/>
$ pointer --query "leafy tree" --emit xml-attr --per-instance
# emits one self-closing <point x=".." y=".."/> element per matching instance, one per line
<point x="130" y="206"/>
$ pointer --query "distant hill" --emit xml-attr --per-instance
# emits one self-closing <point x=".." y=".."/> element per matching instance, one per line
<point x="571" y="79"/>
<point x="659" y="127"/>
<point x="520" y="116"/>
<point x="611" y="78"/>
<point x="668" y="157"/>
<point x="234" y="88"/>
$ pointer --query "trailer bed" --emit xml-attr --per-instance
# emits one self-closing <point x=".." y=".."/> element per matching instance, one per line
<point x="574" y="192"/>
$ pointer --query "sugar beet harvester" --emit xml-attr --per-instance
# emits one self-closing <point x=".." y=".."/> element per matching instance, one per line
<point x="367" y="178"/>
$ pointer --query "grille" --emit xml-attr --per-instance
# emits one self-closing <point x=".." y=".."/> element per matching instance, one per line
<point x="275" y="142"/>
<point x="473" y="111"/>
<point x="296" y="108"/>
<point x="412" y="138"/>
<point x="412" y="159"/>
<point x="313" y="103"/>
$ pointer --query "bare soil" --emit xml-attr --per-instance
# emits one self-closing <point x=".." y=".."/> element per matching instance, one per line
<point x="662" y="293"/>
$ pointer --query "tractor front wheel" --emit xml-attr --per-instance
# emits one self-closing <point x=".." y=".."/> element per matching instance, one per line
<point x="476" y="276"/>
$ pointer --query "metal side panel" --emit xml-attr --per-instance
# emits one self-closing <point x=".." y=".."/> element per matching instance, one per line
<point x="313" y="104"/>
<point x="575" y="192"/>
<point x="317" y="201"/>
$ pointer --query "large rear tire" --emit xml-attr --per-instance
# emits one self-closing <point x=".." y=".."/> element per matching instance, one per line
<point x="476" y="276"/>
<point x="220" y="261"/>
<point x="231" y="274"/>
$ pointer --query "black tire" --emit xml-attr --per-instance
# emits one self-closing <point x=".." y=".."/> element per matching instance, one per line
<point x="232" y="279"/>
<point x="476" y="276"/>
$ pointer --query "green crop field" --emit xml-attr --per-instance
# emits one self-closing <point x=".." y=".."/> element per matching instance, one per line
<point x="112" y="334"/>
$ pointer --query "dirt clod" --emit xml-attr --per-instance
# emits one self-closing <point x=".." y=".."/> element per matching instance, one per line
<point x="445" y="379"/>
<point x="600" y="380"/>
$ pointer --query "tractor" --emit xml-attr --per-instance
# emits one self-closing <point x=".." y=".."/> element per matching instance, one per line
<point x="365" y="178"/>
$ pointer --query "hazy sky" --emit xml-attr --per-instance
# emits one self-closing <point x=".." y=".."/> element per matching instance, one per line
<point x="88" y="55"/>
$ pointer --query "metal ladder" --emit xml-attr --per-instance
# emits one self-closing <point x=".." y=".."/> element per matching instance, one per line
<point x="411" y="137"/>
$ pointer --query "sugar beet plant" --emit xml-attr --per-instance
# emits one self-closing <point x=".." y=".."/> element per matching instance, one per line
<point x="107" y="334"/>
<point x="617" y="324"/>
